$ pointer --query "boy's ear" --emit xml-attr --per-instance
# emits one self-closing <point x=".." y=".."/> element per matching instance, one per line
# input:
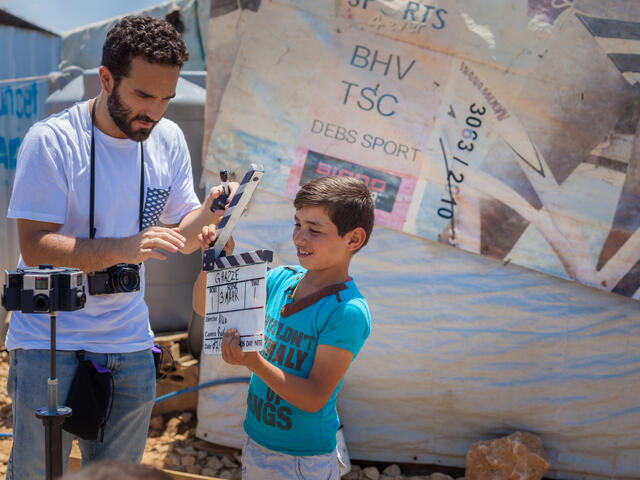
<point x="356" y="238"/>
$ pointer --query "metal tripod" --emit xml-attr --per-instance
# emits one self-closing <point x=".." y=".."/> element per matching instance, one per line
<point x="53" y="416"/>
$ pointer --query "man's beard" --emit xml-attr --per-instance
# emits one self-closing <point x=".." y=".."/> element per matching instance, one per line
<point x="120" y="114"/>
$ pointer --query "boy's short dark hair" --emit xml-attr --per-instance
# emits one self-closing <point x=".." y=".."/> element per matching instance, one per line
<point x="348" y="201"/>
<point x="154" y="39"/>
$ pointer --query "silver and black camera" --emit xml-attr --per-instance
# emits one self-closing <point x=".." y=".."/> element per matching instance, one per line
<point x="43" y="289"/>
<point x="119" y="278"/>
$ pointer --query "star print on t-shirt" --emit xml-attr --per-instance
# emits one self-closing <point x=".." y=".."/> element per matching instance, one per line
<point x="153" y="205"/>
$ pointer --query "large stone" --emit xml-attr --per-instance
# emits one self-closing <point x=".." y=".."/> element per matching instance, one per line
<point x="520" y="456"/>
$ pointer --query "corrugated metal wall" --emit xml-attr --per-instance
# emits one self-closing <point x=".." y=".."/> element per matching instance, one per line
<point x="25" y="54"/>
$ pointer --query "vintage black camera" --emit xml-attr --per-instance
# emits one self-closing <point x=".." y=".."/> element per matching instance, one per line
<point x="120" y="278"/>
<point x="43" y="289"/>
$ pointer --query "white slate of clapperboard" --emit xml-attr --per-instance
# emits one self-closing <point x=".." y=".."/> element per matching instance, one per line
<point x="236" y="298"/>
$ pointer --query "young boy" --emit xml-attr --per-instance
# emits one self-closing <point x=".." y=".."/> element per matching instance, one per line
<point x="316" y="323"/>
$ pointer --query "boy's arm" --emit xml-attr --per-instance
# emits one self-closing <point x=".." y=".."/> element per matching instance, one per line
<point x="309" y="394"/>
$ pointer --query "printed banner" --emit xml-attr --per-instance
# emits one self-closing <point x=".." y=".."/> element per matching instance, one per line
<point x="482" y="128"/>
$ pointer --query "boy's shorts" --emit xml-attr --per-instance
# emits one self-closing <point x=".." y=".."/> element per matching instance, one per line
<point x="259" y="463"/>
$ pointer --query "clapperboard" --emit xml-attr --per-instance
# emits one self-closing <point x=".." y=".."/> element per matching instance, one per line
<point x="236" y="298"/>
<point x="236" y="285"/>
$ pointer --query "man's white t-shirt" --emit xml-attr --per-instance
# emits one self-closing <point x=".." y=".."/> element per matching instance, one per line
<point x="52" y="184"/>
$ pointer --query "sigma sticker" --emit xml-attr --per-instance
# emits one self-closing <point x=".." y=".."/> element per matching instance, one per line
<point x="392" y="192"/>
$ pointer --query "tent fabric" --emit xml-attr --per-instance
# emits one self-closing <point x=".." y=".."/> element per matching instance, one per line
<point x="464" y="348"/>
<point x="476" y="331"/>
<point x="494" y="137"/>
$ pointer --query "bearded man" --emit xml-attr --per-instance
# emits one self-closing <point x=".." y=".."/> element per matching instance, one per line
<point x="92" y="184"/>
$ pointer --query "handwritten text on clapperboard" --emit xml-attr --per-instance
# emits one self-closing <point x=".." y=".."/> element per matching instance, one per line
<point x="236" y="298"/>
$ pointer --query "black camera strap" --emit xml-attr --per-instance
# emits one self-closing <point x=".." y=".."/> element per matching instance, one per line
<point x="92" y="229"/>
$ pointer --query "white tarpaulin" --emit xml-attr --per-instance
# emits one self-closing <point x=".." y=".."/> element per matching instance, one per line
<point x="464" y="348"/>
<point x="505" y="129"/>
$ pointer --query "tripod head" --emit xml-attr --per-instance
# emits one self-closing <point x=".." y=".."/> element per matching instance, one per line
<point x="43" y="289"/>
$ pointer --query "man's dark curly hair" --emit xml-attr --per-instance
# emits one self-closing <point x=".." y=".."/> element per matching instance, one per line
<point x="154" y="39"/>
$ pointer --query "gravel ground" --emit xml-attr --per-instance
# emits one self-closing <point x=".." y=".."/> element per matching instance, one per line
<point x="172" y="445"/>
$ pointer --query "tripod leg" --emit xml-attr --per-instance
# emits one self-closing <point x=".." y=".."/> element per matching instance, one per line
<point x="53" y="439"/>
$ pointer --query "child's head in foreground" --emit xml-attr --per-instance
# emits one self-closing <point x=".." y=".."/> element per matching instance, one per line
<point x="111" y="469"/>
<point x="336" y="211"/>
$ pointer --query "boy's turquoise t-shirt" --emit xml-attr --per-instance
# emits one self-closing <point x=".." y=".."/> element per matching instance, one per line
<point x="337" y="315"/>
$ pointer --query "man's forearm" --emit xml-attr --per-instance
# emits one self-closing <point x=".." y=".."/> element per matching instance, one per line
<point x="88" y="255"/>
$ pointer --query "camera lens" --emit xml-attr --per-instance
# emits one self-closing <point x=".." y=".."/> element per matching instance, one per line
<point x="41" y="303"/>
<point x="128" y="280"/>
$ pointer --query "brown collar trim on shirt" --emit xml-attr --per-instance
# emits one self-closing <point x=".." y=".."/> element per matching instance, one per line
<point x="295" y="307"/>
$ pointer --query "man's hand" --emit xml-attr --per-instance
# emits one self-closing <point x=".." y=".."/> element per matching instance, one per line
<point x="149" y="242"/>
<point x="232" y="352"/>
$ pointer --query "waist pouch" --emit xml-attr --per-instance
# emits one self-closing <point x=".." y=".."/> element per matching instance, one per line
<point x="90" y="399"/>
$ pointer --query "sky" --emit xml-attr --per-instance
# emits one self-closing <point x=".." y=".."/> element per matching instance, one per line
<point x="59" y="16"/>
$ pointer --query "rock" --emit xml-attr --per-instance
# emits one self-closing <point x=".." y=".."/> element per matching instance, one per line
<point x="520" y="456"/>
<point x="229" y="462"/>
<point x="208" y="472"/>
<point x="371" y="473"/>
<point x="186" y="417"/>
<point x="392" y="470"/>
<point x="185" y="450"/>
<point x="439" y="476"/>
<point x="188" y="460"/>
<point x="172" y="427"/>
<point x="193" y="469"/>
<point x="201" y="455"/>
<point x="157" y="423"/>
<point x="204" y="445"/>
<point x="226" y="474"/>
<point x="351" y="475"/>
<point x="171" y="460"/>
<point x="214" y="463"/>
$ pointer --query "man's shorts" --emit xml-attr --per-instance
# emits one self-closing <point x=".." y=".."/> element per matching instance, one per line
<point x="259" y="463"/>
